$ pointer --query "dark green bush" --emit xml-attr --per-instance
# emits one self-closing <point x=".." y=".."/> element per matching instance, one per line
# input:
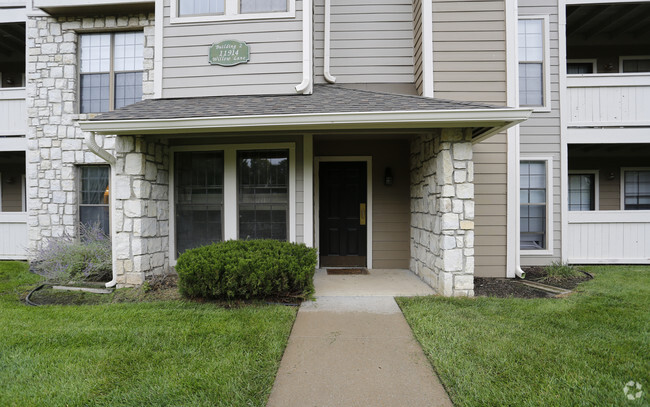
<point x="245" y="269"/>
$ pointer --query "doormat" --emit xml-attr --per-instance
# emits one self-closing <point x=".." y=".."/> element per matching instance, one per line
<point x="339" y="272"/>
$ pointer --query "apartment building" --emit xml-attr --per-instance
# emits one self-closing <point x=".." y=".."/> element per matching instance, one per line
<point x="384" y="133"/>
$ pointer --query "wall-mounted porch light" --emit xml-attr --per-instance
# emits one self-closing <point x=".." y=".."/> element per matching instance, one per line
<point x="388" y="176"/>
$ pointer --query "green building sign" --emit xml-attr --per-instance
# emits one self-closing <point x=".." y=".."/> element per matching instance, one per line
<point x="229" y="53"/>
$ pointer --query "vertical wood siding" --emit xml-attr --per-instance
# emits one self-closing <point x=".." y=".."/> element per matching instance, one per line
<point x="275" y="65"/>
<point x="371" y="41"/>
<point x="540" y="135"/>
<point x="469" y="61"/>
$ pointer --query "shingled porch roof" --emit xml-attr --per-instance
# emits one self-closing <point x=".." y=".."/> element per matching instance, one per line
<point x="329" y="107"/>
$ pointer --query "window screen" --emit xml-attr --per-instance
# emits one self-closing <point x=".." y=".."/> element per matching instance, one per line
<point x="531" y="62"/>
<point x="533" y="205"/>
<point x="94" y="199"/>
<point x="637" y="190"/>
<point x="262" y="6"/>
<point x="198" y="198"/>
<point x="263" y="183"/>
<point x="582" y="192"/>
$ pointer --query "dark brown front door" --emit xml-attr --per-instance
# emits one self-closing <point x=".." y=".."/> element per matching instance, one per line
<point x="342" y="210"/>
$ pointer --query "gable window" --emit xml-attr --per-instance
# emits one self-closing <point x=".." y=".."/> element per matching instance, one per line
<point x="222" y="10"/>
<point x="636" y="189"/>
<point x="533" y="69"/>
<point x="263" y="178"/>
<point x="533" y="203"/>
<point x="582" y="192"/>
<point x="94" y="196"/>
<point x="111" y="66"/>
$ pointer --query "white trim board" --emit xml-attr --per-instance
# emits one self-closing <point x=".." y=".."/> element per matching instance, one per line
<point x="368" y="161"/>
<point x="230" y="196"/>
<point x="512" y="99"/>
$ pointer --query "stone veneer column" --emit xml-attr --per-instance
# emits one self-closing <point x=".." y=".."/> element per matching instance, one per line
<point x="141" y="212"/>
<point x="442" y="211"/>
<point x="54" y="140"/>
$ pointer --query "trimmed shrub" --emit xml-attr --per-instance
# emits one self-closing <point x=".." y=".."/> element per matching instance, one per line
<point x="245" y="269"/>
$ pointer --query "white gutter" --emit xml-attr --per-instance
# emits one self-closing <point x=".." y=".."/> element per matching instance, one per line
<point x="501" y="118"/>
<point x="326" y="69"/>
<point x="92" y="145"/>
<point x="306" y="85"/>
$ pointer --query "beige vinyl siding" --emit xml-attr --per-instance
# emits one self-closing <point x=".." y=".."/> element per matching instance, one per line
<point x="469" y="48"/>
<point x="391" y="208"/>
<point x="540" y="135"/>
<point x="275" y="65"/>
<point x="206" y="140"/>
<point x="371" y="41"/>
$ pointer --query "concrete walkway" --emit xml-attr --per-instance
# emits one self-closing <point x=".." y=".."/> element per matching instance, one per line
<point x="353" y="347"/>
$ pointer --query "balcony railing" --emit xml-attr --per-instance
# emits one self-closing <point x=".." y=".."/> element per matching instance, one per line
<point x="13" y="235"/>
<point x="13" y="114"/>
<point x="608" y="100"/>
<point x="609" y="237"/>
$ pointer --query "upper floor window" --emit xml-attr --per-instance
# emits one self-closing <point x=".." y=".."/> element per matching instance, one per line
<point x="110" y="70"/>
<point x="211" y="10"/>
<point x="533" y="71"/>
<point x="635" y="64"/>
<point x="636" y="189"/>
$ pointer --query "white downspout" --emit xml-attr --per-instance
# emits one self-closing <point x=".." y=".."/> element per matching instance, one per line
<point x="306" y="85"/>
<point x="326" y="52"/>
<point x="92" y="145"/>
<point x="518" y="271"/>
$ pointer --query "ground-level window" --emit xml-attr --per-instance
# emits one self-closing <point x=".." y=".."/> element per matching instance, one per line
<point x="636" y="189"/>
<point x="263" y="188"/>
<point x="582" y="192"/>
<point x="94" y="197"/>
<point x="198" y="195"/>
<point x="533" y="205"/>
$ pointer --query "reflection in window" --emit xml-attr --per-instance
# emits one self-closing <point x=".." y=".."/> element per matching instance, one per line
<point x="263" y="183"/>
<point x="637" y="190"/>
<point x="533" y="205"/>
<point x="94" y="199"/>
<point x="582" y="192"/>
<point x="99" y="71"/>
<point x="263" y="6"/>
<point x="198" y="197"/>
<point x="531" y="62"/>
<point x="198" y="7"/>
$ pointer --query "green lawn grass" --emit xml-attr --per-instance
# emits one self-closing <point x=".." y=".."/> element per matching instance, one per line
<point x="579" y="350"/>
<point x="171" y="353"/>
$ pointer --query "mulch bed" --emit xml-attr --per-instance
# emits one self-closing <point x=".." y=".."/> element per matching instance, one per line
<point x="511" y="287"/>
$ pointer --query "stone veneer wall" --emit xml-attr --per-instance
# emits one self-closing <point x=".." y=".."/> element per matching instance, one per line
<point x="442" y="211"/>
<point x="55" y="142"/>
<point x="141" y="209"/>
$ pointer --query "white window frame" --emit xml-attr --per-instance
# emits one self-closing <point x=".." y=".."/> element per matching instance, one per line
<point x="623" y="58"/>
<point x="231" y="13"/>
<point x="110" y="194"/>
<point x="230" y="188"/>
<point x="549" y="207"/>
<point x="592" y="61"/>
<point x="546" y="64"/>
<point x="622" y="186"/>
<point x="596" y="174"/>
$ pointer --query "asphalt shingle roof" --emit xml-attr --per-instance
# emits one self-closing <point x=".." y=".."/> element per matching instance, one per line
<point x="325" y="99"/>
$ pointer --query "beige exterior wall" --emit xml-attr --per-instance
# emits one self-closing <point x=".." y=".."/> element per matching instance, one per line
<point x="540" y="135"/>
<point x="371" y="42"/>
<point x="469" y="61"/>
<point x="391" y="206"/>
<point x="275" y="65"/>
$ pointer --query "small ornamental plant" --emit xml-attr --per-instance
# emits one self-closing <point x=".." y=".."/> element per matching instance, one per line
<point x="239" y="269"/>
<point x="68" y="259"/>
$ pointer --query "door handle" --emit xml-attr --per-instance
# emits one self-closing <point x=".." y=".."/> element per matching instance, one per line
<point x="362" y="214"/>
